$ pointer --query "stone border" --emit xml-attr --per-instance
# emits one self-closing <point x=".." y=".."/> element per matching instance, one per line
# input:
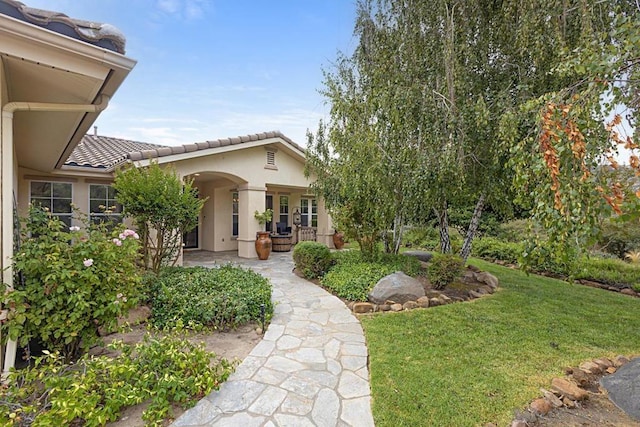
<point x="432" y="299"/>
<point x="567" y="392"/>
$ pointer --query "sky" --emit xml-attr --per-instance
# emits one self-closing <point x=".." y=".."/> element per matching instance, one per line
<point x="210" y="69"/>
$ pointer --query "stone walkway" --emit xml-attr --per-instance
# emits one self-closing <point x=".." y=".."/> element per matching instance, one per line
<point x="310" y="369"/>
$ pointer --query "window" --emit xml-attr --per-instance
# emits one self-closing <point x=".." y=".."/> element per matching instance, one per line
<point x="309" y="212"/>
<point x="234" y="215"/>
<point x="284" y="209"/>
<point x="102" y="204"/>
<point x="54" y="197"/>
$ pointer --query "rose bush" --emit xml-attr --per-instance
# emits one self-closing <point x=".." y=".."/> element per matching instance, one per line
<point x="70" y="283"/>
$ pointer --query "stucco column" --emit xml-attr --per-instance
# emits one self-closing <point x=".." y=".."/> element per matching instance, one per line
<point x="324" y="233"/>
<point x="250" y="199"/>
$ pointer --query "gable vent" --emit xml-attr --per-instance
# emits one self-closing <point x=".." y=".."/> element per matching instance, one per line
<point x="271" y="158"/>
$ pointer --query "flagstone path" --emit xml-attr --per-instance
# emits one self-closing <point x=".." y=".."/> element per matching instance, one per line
<point x="310" y="369"/>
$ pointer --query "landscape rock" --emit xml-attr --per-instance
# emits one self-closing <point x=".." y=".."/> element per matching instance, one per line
<point x="580" y="377"/>
<point x="619" y="361"/>
<point x="396" y="307"/>
<point x="569" y="389"/>
<point x="552" y="398"/>
<point x="628" y="291"/>
<point x="569" y="403"/>
<point x="487" y="278"/>
<point x="474" y="294"/>
<point x="603" y="362"/>
<point x="434" y="302"/>
<point x="363" y="307"/>
<point x="445" y="299"/>
<point x="397" y="287"/>
<point x="519" y="423"/>
<point x="410" y="305"/>
<point x="611" y="370"/>
<point x="384" y="307"/>
<point x="421" y="255"/>
<point x="591" y="367"/>
<point x="541" y="406"/>
<point x="423" y="302"/>
<point x="488" y="289"/>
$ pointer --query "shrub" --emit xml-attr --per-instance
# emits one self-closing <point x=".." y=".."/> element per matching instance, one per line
<point x="619" y="238"/>
<point x="93" y="391"/>
<point x="421" y="237"/>
<point x="514" y="231"/>
<point x="352" y="277"/>
<point x="312" y="259"/>
<point x="609" y="271"/>
<point x="73" y="282"/>
<point x="444" y="269"/>
<point x="491" y="248"/>
<point x="354" y="281"/>
<point x="218" y="297"/>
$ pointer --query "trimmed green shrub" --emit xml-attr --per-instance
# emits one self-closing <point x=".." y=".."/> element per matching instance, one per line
<point x="513" y="231"/>
<point x="218" y="297"/>
<point x="444" y="269"/>
<point x="92" y="392"/>
<point x="408" y="265"/>
<point x="312" y="259"/>
<point x="490" y="248"/>
<point x="354" y="281"/>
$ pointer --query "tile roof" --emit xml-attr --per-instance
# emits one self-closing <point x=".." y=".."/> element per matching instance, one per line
<point x="200" y="146"/>
<point x="102" y="35"/>
<point x="104" y="153"/>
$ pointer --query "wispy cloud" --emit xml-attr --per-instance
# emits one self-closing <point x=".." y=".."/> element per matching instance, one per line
<point x="185" y="9"/>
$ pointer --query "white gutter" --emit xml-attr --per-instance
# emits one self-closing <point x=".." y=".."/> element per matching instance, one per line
<point x="6" y="191"/>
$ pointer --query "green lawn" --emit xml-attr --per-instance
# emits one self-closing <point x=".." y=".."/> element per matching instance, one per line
<point x="473" y="363"/>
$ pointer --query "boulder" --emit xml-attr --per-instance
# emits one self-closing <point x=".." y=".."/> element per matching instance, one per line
<point x="421" y="255"/>
<point x="397" y="287"/>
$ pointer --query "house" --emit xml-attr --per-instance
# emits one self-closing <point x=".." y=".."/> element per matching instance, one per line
<point x="237" y="176"/>
<point x="56" y="75"/>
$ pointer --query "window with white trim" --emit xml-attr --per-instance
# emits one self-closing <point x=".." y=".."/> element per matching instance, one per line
<point x="309" y="212"/>
<point x="55" y="197"/>
<point x="102" y="204"/>
<point x="234" y="214"/>
<point x="284" y="209"/>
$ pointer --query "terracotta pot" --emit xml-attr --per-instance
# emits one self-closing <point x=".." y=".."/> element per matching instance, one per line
<point x="263" y="245"/>
<point x="338" y="240"/>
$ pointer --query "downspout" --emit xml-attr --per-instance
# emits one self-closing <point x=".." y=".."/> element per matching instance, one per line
<point x="6" y="191"/>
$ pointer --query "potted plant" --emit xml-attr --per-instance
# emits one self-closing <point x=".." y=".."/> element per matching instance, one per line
<point x="263" y="239"/>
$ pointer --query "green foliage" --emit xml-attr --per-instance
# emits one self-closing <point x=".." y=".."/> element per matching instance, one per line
<point x="619" y="237"/>
<point x="355" y="274"/>
<point x="609" y="271"/>
<point x="220" y="297"/>
<point x="163" y="371"/>
<point x="490" y="248"/>
<point x="421" y="237"/>
<point x="354" y="281"/>
<point x="444" y="269"/>
<point x="73" y="282"/>
<point x="163" y="207"/>
<point x="263" y="217"/>
<point x="312" y="259"/>
<point x="514" y="231"/>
